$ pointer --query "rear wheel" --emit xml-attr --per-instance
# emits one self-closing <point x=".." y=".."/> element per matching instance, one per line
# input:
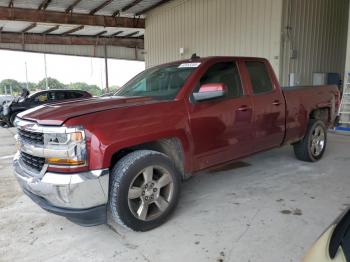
<point x="312" y="147"/>
<point x="144" y="190"/>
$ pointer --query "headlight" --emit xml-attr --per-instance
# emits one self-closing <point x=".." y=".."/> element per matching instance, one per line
<point x="66" y="148"/>
<point x="56" y="139"/>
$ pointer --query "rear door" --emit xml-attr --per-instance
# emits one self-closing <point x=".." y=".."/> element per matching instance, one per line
<point x="268" y="104"/>
<point x="221" y="128"/>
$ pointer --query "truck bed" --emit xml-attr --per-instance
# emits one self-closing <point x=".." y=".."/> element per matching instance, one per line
<point x="301" y="101"/>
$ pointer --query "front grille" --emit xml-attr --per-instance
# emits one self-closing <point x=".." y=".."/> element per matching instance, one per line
<point x="34" y="162"/>
<point x="31" y="137"/>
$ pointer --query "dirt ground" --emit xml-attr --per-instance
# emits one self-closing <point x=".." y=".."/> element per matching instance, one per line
<point x="270" y="207"/>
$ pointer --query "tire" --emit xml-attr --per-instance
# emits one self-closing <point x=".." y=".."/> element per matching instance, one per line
<point x="143" y="182"/>
<point x="12" y="119"/>
<point x="311" y="148"/>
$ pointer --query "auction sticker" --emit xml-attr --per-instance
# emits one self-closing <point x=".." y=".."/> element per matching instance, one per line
<point x="189" y="65"/>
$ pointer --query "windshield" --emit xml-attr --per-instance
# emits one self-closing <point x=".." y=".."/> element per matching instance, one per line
<point x="161" y="83"/>
<point x="33" y="94"/>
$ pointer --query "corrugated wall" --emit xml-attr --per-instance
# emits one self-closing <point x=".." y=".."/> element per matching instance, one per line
<point x="347" y="63"/>
<point x="317" y="31"/>
<point x="214" y="27"/>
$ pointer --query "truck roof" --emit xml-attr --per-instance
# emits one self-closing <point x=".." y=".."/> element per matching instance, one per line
<point x="213" y="58"/>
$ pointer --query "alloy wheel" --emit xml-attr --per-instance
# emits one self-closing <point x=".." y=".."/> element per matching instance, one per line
<point x="317" y="141"/>
<point x="150" y="193"/>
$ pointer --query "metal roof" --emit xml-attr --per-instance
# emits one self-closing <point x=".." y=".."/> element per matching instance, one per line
<point x="86" y="6"/>
<point x="19" y="26"/>
<point x="81" y="7"/>
<point x="48" y="25"/>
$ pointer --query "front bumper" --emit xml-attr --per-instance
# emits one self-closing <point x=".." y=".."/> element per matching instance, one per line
<point x="81" y="197"/>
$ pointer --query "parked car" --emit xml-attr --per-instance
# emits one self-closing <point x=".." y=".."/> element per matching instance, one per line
<point x="5" y="98"/>
<point x="25" y="102"/>
<point x="334" y="244"/>
<point x="128" y="153"/>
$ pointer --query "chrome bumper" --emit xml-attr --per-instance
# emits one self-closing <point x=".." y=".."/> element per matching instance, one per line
<point x="74" y="191"/>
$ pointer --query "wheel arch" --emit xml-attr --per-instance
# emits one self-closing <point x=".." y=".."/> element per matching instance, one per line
<point x="321" y="113"/>
<point x="173" y="147"/>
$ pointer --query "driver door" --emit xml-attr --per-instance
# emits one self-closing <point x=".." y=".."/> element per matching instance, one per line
<point x="221" y="128"/>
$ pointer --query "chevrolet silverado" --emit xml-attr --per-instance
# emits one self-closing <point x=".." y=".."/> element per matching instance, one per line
<point x="127" y="154"/>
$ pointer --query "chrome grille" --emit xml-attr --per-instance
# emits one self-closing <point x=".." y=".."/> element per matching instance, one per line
<point x="34" y="162"/>
<point x="31" y="137"/>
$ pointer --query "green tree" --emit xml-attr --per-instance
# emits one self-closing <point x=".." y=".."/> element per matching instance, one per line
<point x="10" y="84"/>
<point x="92" y="89"/>
<point x="113" y="89"/>
<point x="52" y="83"/>
<point x="31" y="85"/>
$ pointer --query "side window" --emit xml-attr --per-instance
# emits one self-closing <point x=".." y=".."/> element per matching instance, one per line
<point x="60" y="95"/>
<point x="224" y="72"/>
<point x="41" y="98"/>
<point x="73" y="95"/>
<point x="52" y="96"/>
<point x="259" y="76"/>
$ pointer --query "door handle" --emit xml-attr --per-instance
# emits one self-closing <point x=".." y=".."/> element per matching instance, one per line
<point x="243" y="108"/>
<point x="276" y="103"/>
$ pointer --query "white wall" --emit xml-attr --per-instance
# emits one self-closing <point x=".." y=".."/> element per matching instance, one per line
<point x="214" y="27"/>
<point x="347" y="61"/>
<point x="318" y="33"/>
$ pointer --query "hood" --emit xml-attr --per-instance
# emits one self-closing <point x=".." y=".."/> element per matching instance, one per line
<point x="56" y="114"/>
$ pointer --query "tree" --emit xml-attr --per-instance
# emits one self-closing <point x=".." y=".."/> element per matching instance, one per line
<point x="113" y="89"/>
<point x="10" y="84"/>
<point x="31" y="85"/>
<point x="52" y="84"/>
<point x="92" y="89"/>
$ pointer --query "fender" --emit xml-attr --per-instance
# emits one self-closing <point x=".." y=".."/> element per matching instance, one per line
<point x="101" y="155"/>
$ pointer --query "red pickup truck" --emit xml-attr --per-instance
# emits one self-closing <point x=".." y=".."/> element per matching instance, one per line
<point x="128" y="153"/>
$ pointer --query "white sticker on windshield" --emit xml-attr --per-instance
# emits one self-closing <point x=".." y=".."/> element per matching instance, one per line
<point x="189" y="65"/>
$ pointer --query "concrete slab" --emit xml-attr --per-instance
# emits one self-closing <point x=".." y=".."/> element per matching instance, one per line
<point x="270" y="207"/>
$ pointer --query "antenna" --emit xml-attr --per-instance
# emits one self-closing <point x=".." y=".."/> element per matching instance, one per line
<point x="194" y="56"/>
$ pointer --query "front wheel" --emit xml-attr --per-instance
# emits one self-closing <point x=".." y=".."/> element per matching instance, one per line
<point x="312" y="147"/>
<point x="144" y="190"/>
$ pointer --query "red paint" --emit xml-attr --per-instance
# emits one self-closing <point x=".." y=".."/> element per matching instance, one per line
<point x="211" y="132"/>
<point x="212" y="87"/>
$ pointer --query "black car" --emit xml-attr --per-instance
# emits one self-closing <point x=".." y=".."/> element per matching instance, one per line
<point x="26" y="101"/>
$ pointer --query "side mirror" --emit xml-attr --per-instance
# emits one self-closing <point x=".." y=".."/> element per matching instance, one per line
<point x="210" y="91"/>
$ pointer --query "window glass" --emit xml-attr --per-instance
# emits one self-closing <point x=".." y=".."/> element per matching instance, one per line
<point x="227" y="73"/>
<point x="57" y="95"/>
<point x="260" y="79"/>
<point x="41" y="98"/>
<point x="75" y="95"/>
<point x="159" y="83"/>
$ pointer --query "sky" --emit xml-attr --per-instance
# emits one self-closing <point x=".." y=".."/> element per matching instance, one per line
<point x="66" y="69"/>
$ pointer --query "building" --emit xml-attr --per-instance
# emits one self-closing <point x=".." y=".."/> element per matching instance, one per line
<point x="299" y="37"/>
